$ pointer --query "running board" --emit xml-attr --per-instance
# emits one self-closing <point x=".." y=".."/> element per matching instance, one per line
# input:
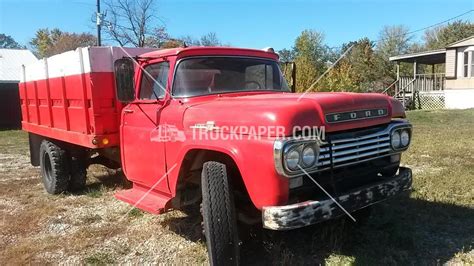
<point x="145" y="199"/>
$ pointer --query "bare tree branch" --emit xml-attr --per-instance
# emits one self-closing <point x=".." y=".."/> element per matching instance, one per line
<point x="132" y="22"/>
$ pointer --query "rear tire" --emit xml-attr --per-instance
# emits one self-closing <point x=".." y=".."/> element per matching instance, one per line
<point x="219" y="219"/>
<point x="78" y="173"/>
<point x="54" y="164"/>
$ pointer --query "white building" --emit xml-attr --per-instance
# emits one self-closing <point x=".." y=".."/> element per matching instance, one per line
<point x="453" y="88"/>
<point x="11" y="61"/>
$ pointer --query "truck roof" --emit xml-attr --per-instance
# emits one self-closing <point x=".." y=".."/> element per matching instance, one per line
<point x="210" y="50"/>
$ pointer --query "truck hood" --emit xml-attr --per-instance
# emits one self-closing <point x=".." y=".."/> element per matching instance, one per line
<point x="288" y="110"/>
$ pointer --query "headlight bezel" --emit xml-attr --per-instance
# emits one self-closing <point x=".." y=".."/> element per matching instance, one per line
<point x="400" y="131"/>
<point x="282" y="148"/>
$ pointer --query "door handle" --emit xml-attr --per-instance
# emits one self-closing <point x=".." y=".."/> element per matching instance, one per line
<point x="128" y="111"/>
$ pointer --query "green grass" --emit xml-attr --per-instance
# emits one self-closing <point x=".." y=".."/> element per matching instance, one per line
<point x="135" y="213"/>
<point x="99" y="258"/>
<point x="95" y="193"/>
<point x="14" y="142"/>
<point x="436" y="221"/>
<point x="432" y="225"/>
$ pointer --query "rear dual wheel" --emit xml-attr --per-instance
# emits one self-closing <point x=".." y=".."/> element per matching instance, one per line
<point x="59" y="171"/>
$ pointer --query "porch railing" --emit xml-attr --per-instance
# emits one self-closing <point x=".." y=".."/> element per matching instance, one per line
<point x="429" y="82"/>
<point x="406" y="88"/>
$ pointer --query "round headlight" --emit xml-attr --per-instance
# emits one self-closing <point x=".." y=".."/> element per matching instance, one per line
<point x="292" y="159"/>
<point x="309" y="156"/>
<point x="395" y="140"/>
<point x="405" y="138"/>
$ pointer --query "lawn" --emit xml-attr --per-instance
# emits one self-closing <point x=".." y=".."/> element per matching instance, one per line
<point x="433" y="224"/>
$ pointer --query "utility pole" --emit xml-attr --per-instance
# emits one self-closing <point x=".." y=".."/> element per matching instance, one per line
<point x="99" y="23"/>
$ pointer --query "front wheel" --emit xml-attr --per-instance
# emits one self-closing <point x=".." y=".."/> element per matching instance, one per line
<point x="218" y="211"/>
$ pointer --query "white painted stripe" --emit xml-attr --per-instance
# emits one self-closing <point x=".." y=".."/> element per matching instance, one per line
<point x="94" y="59"/>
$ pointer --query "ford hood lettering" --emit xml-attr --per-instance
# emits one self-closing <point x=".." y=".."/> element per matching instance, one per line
<point x="356" y="115"/>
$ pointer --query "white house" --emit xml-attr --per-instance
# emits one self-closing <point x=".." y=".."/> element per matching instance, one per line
<point x="452" y="88"/>
<point x="459" y="92"/>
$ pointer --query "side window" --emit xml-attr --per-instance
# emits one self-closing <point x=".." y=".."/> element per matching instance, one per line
<point x="154" y="81"/>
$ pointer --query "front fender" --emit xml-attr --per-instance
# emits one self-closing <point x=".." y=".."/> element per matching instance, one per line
<point x="254" y="160"/>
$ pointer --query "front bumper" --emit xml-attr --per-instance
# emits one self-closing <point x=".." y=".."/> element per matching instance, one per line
<point x="311" y="212"/>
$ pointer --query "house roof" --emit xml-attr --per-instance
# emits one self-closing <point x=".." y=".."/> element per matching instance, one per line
<point x="464" y="42"/>
<point x="427" y="57"/>
<point x="433" y="56"/>
<point x="11" y="61"/>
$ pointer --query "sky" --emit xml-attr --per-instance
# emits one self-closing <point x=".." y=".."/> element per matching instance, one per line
<point x="243" y="23"/>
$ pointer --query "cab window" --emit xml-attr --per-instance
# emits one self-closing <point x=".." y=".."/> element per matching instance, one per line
<point x="154" y="81"/>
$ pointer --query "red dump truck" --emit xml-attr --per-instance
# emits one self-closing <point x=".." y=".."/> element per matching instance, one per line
<point x="214" y="127"/>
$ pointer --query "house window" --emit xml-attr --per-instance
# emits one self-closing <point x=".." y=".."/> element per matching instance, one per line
<point x="466" y="64"/>
<point x="472" y="64"/>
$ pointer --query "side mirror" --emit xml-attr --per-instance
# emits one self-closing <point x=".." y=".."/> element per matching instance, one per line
<point x="290" y="74"/>
<point x="124" y="79"/>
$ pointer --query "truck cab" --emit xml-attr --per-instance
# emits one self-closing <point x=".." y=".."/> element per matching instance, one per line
<point x="220" y="128"/>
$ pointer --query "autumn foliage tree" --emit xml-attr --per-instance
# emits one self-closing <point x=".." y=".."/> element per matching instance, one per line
<point x="50" y="42"/>
<point x="310" y="55"/>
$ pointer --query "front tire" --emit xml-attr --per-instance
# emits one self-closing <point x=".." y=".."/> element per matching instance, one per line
<point x="218" y="211"/>
<point x="54" y="164"/>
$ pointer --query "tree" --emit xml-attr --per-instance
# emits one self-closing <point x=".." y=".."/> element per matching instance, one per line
<point x="8" y="42"/>
<point x="393" y="40"/>
<point x="50" y="42"/>
<point x="132" y="22"/>
<point x="340" y="78"/>
<point x="355" y="69"/>
<point x="190" y="41"/>
<point x="157" y="39"/>
<point x="310" y="56"/>
<point x="440" y="37"/>
<point x="210" y="39"/>
<point x="286" y="55"/>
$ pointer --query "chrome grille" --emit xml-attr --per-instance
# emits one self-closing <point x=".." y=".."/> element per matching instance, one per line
<point x="354" y="150"/>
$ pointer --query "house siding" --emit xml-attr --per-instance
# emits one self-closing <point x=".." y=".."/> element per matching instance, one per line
<point x="451" y="63"/>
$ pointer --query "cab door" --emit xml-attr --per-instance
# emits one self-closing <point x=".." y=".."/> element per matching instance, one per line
<point x="143" y="155"/>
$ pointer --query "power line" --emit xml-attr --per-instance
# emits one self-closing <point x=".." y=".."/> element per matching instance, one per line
<point x="418" y="30"/>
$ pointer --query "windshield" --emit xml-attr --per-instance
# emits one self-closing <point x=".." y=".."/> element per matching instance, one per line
<point x="213" y="75"/>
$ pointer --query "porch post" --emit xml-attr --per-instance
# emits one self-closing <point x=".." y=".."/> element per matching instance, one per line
<point x="414" y="69"/>
<point x="398" y="70"/>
